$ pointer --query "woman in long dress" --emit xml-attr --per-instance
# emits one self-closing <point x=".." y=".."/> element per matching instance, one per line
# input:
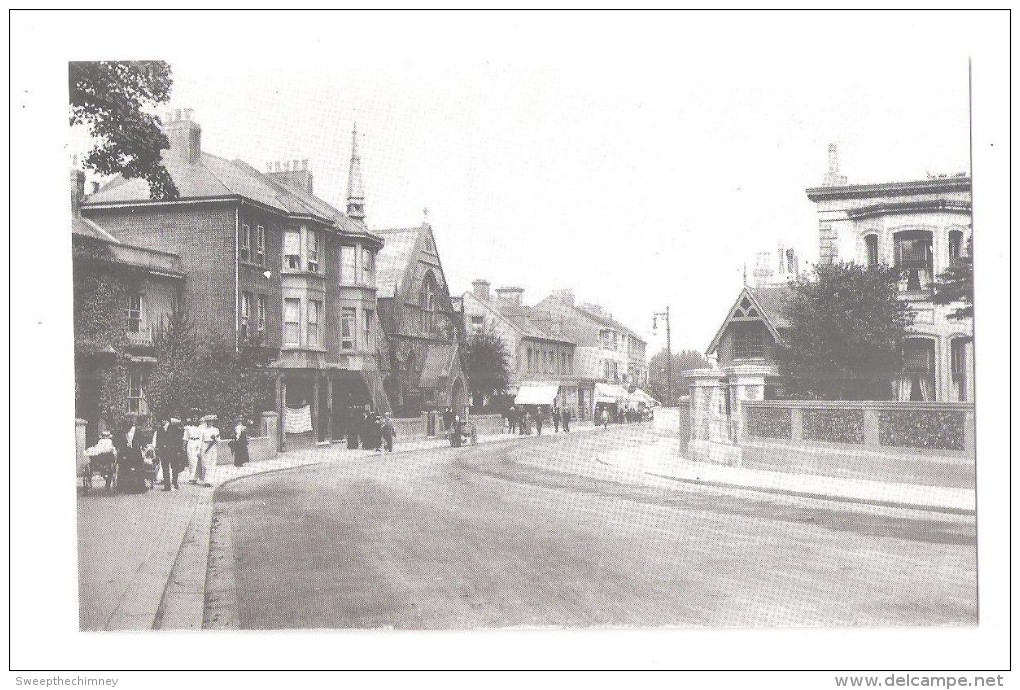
<point x="193" y="445"/>
<point x="209" y="455"/>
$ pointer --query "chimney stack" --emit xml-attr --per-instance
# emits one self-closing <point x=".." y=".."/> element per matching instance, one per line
<point x="185" y="137"/>
<point x="564" y="296"/>
<point x="511" y="295"/>
<point x="293" y="173"/>
<point x="832" y="177"/>
<point x="480" y="288"/>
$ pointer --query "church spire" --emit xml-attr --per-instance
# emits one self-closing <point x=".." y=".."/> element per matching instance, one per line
<point x="355" y="190"/>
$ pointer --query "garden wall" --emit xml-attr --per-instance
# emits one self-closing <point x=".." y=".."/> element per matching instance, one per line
<point x="945" y="428"/>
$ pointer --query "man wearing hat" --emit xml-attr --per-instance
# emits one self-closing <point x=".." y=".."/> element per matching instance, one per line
<point x="169" y="444"/>
<point x="208" y="456"/>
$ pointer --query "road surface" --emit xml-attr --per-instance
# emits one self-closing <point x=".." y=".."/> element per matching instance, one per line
<point x="536" y="533"/>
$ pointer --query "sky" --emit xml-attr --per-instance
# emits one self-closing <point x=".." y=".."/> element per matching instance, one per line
<point x="639" y="160"/>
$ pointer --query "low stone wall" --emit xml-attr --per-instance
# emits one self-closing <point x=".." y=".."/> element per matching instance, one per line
<point x="947" y="428"/>
<point x="673" y="422"/>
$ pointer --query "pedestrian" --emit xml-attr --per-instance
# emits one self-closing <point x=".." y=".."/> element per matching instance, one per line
<point x="605" y="417"/>
<point x="369" y="429"/>
<point x="353" y="426"/>
<point x="448" y="419"/>
<point x="388" y="432"/>
<point x="239" y="444"/>
<point x="539" y="414"/>
<point x="511" y="419"/>
<point x="169" y="444"/>
<point x="193" y="444"/>
<point x="522" y="421"/>
<point x="209" y="455"/>
<point x="556" y="420"/>
<point x="566" y="419"/>
<point x="130" y="467"/>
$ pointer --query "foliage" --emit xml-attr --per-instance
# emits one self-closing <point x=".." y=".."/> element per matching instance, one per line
<point x="922" y="429"/>
<point x="99" y="292"/>
<point x="486" y="362"/>
<point x="682" y="361"/>
<point x="769" y="422"/>
<point x="212" y="377"/>
<point x="835" y="426"/>
<point x="956" y="284"/>
<point x="111" y="99"/>
<point x="846" y="333"/>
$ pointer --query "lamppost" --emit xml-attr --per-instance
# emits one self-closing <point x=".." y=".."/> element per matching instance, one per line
<point x="669" y="352"/>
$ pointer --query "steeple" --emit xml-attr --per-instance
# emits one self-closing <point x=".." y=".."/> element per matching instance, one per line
<point x="355" y="190"/>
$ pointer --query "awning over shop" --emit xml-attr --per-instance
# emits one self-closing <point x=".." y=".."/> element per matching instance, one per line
<point x="610" y="393"/>
<point x="639" y="396"/>
<point x="536" y="393"/>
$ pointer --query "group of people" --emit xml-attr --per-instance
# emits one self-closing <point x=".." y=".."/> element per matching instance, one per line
<point x="370" y="430"/>
<point x="604" y="415"/>
<point x="174" y="447"/>
<point x="520" y="420"/>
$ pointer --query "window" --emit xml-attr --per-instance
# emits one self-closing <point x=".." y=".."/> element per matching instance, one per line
<point x="366" y="266"/>
<point x="563" y="363"/>
<point x="260" y="245"/>
<point x="244" y="315"/>
<point x="292" y="249"/>
<point x="314" y="309"/>
<point x="312" y="251"/>
<point x="291" y="321"/>
<point x="366" y="329"/>
<point x="958" y="367"/>
<point x="263" y="310"/>
<point x="530" y="358"/>
<point x="918" y="369"/>
<point x="136" y="394"/>
<point x="477" y="324"/>
<point x="428" y="302"/>
<point x="348" y="259"/>
<point x="133" y="312"/>
<point x="914" y="258"/>
<point x="871" y="243"/>
<point x="955" y="248"/>
<point x="244" y="243"/>
<point x="748" y="339"/>
<point x="348" y="326"/>
<point x="570" y="364"/>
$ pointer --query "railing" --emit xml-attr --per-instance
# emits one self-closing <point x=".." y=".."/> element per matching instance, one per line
<point x="140" y="338"/>
<point x="872" y="424"/>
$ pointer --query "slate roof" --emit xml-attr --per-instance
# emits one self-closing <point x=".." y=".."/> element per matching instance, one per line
<point x="214" y="177"/>
<point x="392" y="260"/>
<point x="151" y="260"/>
<point x="528" y="321"/>
<point x="775" y="303"/>
<point x="608" y="322"/>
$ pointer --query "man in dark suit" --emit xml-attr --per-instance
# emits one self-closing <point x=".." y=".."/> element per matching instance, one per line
<point x="169" y="444"/>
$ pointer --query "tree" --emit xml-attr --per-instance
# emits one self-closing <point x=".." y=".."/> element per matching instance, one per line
<point x="486" y="363"/>
<point x="956" y="284"/>
<point x="847" y="327"/>
<point x="111" y="99"/>
<point x="171" y="387"/>
<point x="682" y="361"/>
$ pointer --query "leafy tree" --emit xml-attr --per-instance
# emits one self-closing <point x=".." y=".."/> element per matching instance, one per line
<point x="847" y="327"/>
<point x="956" y="284"/>
<point x="682" y="361"/>
<point x="486" y="363"/>
<point x="112" y="100"/>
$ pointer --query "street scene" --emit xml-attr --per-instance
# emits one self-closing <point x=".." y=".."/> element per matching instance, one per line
<point x="333" y="372"/>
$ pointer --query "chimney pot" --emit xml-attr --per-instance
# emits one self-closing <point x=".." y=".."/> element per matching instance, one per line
<point x="481" y="289"/>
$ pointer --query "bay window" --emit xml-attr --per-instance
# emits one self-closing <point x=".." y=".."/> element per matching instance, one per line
<point x="348" y="328"/>
<point x="314" y="310"/>
<point x="292" y="249"/>
<point x="914" y="259"/>
<point x="291" y="321"/>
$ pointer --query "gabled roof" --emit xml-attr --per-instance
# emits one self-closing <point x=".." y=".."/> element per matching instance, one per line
<point x="527" y="321"/>
<point x="607" y="322"/>
<point x="214" y="177"/>
<point x="770" y="304"/>
<point x="391" y="262"/>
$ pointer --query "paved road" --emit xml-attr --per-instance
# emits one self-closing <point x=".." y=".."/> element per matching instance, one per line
<point x="535" y="533"/>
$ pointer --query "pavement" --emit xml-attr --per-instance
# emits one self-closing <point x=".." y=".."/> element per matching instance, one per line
<point x="143" y="558"/>
<point x="663" y="457"/>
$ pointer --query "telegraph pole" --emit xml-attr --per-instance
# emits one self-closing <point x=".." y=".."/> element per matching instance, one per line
<point x="669" y="353"/>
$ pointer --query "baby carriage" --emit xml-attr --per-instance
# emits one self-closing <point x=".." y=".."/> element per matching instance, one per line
<point x="101" y="459"/>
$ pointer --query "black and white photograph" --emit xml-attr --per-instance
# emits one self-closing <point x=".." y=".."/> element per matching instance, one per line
<point x="511" y="340"/>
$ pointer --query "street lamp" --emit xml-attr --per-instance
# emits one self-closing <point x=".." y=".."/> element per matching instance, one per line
<point x="669" y="352"/>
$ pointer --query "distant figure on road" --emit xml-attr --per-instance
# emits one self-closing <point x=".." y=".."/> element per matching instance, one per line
<point x="539" y="414"/>
<point x="511" y="419"/>
<point x="353" y="427"/>
<point x="556" y="420"/>
<point x="388" y="432"/>
<point x="566" y="419"/>
<point x="605" y="418"/>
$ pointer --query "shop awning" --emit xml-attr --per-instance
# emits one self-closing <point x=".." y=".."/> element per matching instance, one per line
<point x="536" y="393"/>
<point x="610" y="393"/>
<point x="639" y="396"/>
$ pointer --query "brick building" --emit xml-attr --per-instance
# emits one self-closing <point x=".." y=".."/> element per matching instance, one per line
<point x="266" y="264"/>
